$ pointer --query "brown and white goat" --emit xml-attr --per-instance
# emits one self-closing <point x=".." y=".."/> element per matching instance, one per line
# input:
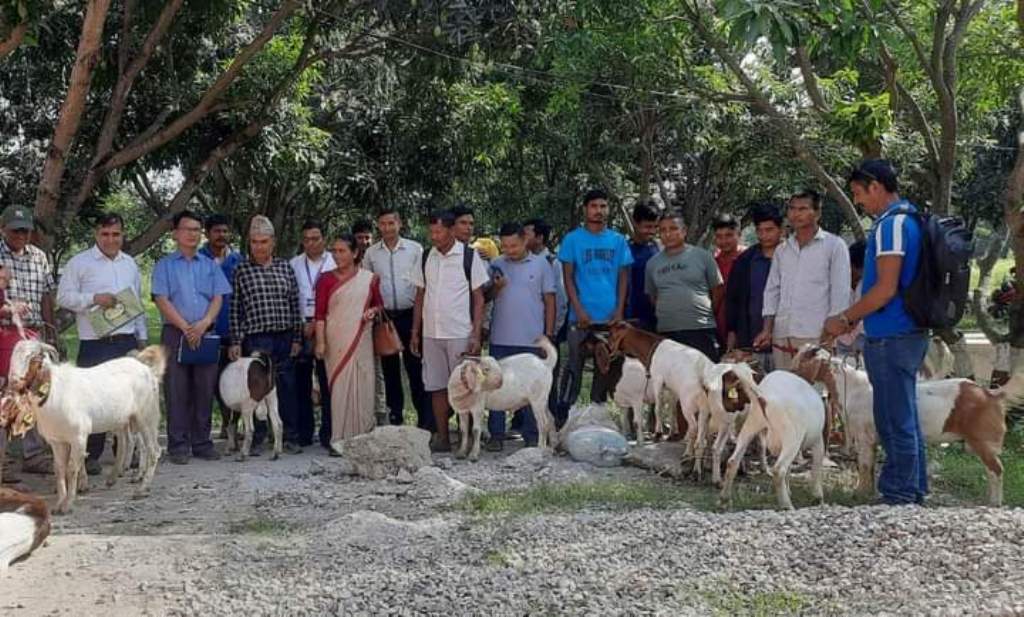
<point x="949" y="410"/>
<point x="24" y="524"/>
<point x="247" y="387"/>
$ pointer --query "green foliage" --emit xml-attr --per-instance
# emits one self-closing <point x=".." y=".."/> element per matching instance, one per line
<point x="861" y="122"/>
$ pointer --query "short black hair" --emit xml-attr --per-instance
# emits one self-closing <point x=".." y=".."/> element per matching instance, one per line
<point x="108" y="219"/>
<point x="214" y="220"/>
<point x="540" y="228"/>
<point x="510" y="229"/>
<point x="388" y="210"/>
<point x="313" y="224"/>
<point x="673" y="214"/>
<point x="857" y="250"/>
<point x="593" y="194"/>
<point x="645" y="211"/>
<point x="811" y="194"/>
<point x="461" y="210"/>
<point x="185" y="214"/>
<point x="766" y="211"/>
<point x="443" y="217"/>
<point x="875" y="170"/>
<point x="362" y="226"/>
<point x="725" y="221"/>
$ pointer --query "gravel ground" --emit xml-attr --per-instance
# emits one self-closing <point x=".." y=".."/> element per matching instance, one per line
<point x="299" y="537"/>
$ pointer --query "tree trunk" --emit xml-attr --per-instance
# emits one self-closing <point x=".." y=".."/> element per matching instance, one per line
<point x="17" y="35"/>
<point x="1014" y="209"/>
<point x="48" y="193"/>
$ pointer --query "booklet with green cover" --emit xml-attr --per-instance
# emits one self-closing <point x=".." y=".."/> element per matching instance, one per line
<point x="106" y="320"/>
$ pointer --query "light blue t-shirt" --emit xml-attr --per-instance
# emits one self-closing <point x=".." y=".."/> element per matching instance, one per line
<point x="597" y="259"/>
<point x="893" y="233"/>
<point x="518" y="317"/>
<point x="190" y="284"/>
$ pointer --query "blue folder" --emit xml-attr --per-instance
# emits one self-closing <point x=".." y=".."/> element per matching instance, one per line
<point x="208" y="351"/>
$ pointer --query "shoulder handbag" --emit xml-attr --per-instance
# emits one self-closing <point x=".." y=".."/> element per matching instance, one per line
<point x="386" y="341"/>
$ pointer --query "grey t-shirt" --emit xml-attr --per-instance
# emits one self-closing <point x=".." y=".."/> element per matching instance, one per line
<point x="682" y="284"/>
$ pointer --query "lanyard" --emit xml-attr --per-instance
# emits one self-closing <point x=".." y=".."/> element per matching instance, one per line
<point x="309" y="277"/>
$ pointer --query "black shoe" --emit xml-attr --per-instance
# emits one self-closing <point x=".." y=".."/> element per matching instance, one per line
<point x="179" y="459"/>
<point x="255" y="450"/>
<point x="292" y="448"/>
<point x="495" y="444"/>
<point x="212" y="455"/>
<point x="93" y="467"/>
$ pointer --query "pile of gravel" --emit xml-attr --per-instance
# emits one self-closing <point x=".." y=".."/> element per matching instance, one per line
<point x="829" y="560"/>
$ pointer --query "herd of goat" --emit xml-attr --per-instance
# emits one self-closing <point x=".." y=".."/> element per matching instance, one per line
<point x="721" y="402"/>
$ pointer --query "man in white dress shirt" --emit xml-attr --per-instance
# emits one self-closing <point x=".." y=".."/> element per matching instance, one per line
<point x="313" y="263"/>
<point x="393" y="259"/>
<point x="809" y="281"/>
<point x="93" y="278"/>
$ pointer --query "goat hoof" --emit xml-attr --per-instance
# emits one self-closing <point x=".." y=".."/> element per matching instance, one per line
<point x="241" y="457"/>
<point x="276" y="456"/>
<point x="141" y="494"/>
<point x="111" y="482"/>
<point x="135" y="479"/>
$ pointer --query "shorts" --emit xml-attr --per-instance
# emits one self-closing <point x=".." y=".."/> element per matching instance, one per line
<point x="440" y="356"/>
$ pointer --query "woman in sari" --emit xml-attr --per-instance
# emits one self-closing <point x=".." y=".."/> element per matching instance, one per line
<point x="347" y="300"/>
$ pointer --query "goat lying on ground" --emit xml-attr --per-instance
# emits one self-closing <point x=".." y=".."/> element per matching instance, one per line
<point x="68" y="403"/>
<point x="247" y="387"/>
<point x="792" y="414"/>
<point x="949" y="410"/>
<point x="479" y="384"/>
<point x="24" y="524"/>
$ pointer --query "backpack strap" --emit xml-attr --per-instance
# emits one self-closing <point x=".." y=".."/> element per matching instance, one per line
<point x="468" y="253"/>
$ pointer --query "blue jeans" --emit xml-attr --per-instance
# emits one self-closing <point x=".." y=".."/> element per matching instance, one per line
<point x="892" y="364"/>
<point x="496" y="419"/>
<point x="279" y="346"/>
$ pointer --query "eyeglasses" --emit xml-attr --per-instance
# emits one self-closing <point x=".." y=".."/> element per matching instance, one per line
<point x="191" y="230"/>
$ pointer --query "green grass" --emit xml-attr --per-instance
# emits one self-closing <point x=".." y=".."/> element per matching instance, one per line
<point x="259" y="526"/>
<point x="572" y="497"/>
<point x="962" y="476"/>
<point x="728" y="600"/>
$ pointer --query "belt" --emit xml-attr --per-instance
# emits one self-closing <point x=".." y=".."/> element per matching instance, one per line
<point x="399" y="311"/>
<point x="786" y="349"/>
<point x="116" y="337"/>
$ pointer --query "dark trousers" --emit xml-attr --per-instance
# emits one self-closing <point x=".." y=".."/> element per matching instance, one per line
<point x="392" y="368"/>
<point x="188" y="392"/>
<point x="572" y="376"/>
<point x="278" y="345"/>
<point x="305" y="417"/>
<point x="92" y="353"/>
<point x="704" y="341"/>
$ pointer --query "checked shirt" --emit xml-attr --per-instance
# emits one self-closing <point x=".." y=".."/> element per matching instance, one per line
<point x="31" y="279"/>
<point x="265" y="299"/>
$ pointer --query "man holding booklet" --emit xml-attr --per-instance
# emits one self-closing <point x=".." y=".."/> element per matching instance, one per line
<point x="102" y="287"/>
<point x="188" y="289"/>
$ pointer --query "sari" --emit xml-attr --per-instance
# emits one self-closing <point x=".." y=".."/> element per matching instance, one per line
<point x="349" y="357"/>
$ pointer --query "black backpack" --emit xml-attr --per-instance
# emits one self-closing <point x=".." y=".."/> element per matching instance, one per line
<point x="467" y="267"/>
<point x="937" y="297"/>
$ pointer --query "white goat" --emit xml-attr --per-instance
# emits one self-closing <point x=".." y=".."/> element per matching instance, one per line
<point x="634" y="391"/>
<point x="949" y="410"/>
<point x="793" y="415"/>
<point x="70" y="403"/>
<point x="479" y="384"/>
<point x="247" y="387"/>
<point x="728" y="409"/>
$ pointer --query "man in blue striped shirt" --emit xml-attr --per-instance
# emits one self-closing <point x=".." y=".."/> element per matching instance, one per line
<point x="895" y="345"/>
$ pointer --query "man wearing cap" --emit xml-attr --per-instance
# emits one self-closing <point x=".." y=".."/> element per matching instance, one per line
<point x="93" y="278"/>
<point x="895" y="345"/>
<point x="31" y="287"/>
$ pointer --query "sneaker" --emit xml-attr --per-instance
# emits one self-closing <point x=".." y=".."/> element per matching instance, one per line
<point x="292" y="448"/>
<point x="212" y="455"/>
<point x="40" y="464"/>
<point x="93" y="467"/>
<point x="495" y="444"/>
<point x="178" y="459"/>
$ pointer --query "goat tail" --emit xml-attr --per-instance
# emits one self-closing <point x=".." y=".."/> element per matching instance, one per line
<point x="1012" y="393"/>
<point x="155" y="357"/>
<point x="24" y="524"/>
<point x="550" y="352"/>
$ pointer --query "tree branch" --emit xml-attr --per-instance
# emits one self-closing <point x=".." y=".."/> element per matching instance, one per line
<point x="810" y="80"/>
<point x="17" y="35"/>
<point x="979" y="301"/>
<point x="48" y="192"/>
<point x="917" y="116"/>
<point x="908" y="32"/>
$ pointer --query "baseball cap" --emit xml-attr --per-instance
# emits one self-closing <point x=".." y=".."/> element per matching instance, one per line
<point x="875" y="169"/>
<point x="17" y="217"/>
